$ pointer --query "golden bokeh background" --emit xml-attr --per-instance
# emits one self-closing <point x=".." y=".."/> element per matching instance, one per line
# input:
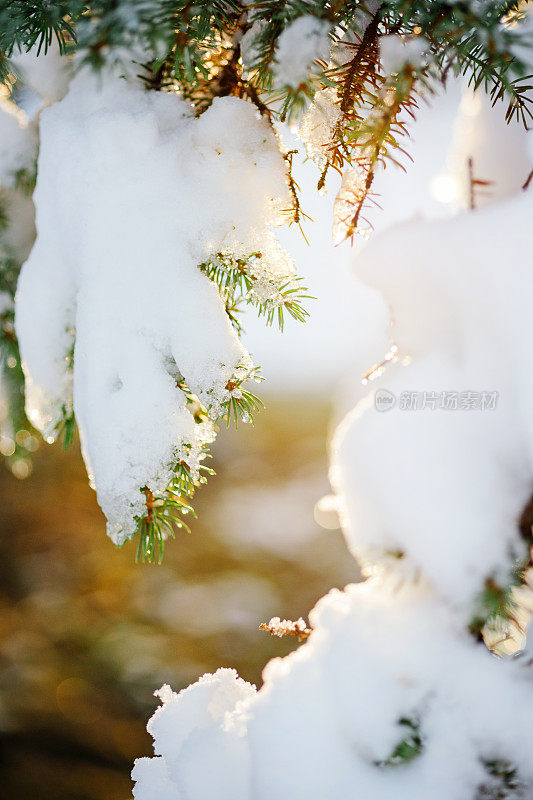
<point x="87" y="635"/>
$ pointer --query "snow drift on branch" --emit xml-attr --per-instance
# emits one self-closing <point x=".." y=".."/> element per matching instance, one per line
<point x="391" y="696"/>
<point x="303" y="42"/>
<point x="133" y="193"/>
<point x="446" y="486"/>
<point x="329" y="718"/>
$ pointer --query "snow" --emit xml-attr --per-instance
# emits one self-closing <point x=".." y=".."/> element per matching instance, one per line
<point x="429" y="501"/>
<point x="318" y="124"/>
<point x="37" y="80"/>
<point x="350" y="195"/>
<point x="498" y="151"/>
<point x="250" y="49"/>
<point x="397" y="51"/>
<point x="18" y="144"/>
<point x="429" y="497"/>
<point x="18" y="153"/>
<point x="303" y="42"/>
<point x="460" y="316"/>
<point x="152" y="193"/>
<point x="208" y="712"/>
<point x="17" y="238"/>
<point x="46" y="74"/>
<point x="346" y="318"/>
<point x="328" y="716"/>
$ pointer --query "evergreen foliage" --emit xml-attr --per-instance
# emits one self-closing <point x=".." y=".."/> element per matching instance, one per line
<point x="410" y="745"/>
<point x="225" y="47"/>
<point x="199" y="47"/>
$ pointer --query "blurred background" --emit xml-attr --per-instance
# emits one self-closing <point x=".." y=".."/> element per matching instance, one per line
<point x="87" y="635"/>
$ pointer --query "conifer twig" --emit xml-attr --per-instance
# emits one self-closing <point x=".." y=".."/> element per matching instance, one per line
<point x="287" y="627"/>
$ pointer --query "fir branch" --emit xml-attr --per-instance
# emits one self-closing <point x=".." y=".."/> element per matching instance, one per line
<point x="297" y="212"/>
<point x="373" y="139"/>
<point x="496" y="605"/>
<point x="66" y="427"/>
<point x="198" y="48"/>
<point x="363" y="64"/>
<point x="36" y="24"/>
<point x="503" y="781"/>
<point x="242" y="405"/>
<point x="165" y="511"/>
<point x="286" y="627"/>
<point x="410" y="746"/>
<point x="163" y="515"/>
<point x="25" y="179"/>
<point x="240" y="282"/>
<point x="475" y="185"/>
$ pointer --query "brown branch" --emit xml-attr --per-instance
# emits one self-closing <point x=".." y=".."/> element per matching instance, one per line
<point x="473" y="183"/>
<point x="525" y="187"/>
<point x="149" y="503"/>
<point x="286" y="627"/>
<point x="298" y="212"/>
<point x="368" y="43"/>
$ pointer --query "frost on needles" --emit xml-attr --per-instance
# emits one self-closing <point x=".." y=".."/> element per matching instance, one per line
<point x="150" y="223"/>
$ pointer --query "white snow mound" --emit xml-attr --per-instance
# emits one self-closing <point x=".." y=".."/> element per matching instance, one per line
<point x="133" y="193"/>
